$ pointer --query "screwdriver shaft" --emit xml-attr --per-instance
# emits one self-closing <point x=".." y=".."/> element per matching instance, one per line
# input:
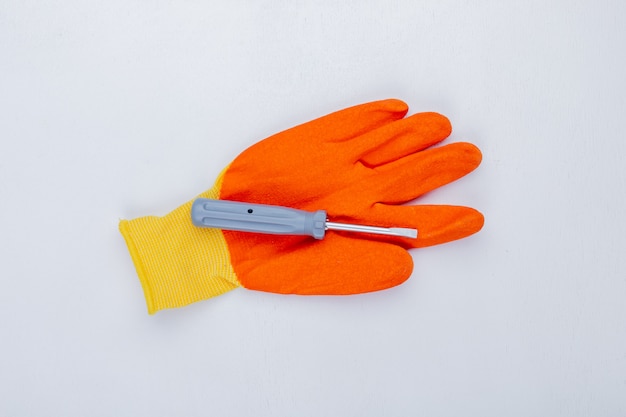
<point x="388" y="231"/>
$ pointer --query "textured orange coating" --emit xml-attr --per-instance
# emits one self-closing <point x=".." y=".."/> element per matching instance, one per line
<point x="360" y="165"/>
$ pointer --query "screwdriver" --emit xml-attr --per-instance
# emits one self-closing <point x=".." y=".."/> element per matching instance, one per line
<point x="277" y="220"/>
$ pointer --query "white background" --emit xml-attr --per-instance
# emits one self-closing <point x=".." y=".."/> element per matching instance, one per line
<point x="122" y="108"/>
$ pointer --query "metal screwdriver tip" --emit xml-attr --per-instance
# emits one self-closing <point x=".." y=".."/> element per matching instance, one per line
<point x="404" y="232"/>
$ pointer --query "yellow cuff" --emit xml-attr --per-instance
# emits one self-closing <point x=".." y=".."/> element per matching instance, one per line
<point x="178" y="263"/>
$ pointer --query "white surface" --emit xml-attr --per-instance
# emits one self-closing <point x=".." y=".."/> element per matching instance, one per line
<point x="116" y="109"/>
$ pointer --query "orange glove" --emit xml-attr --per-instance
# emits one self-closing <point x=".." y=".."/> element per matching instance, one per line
<point x="360" y="165"/>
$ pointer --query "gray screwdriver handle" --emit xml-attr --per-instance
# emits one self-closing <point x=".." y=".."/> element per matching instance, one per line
<point x="259" y="218"/>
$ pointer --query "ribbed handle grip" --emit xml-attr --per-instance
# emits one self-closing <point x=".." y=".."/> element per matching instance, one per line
<point x="259" y="218"/>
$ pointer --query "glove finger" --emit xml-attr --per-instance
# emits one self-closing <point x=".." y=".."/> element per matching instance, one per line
<point x="403" y="137"/>
<point x="295" y="164"/>
<point x="350" y="122"/>
<point x="436" y="224"/>
<point x="336" y="265"/>
<point x="414" y="175"/>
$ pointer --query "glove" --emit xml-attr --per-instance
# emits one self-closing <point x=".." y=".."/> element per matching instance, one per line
<point x="360" y="165"/>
